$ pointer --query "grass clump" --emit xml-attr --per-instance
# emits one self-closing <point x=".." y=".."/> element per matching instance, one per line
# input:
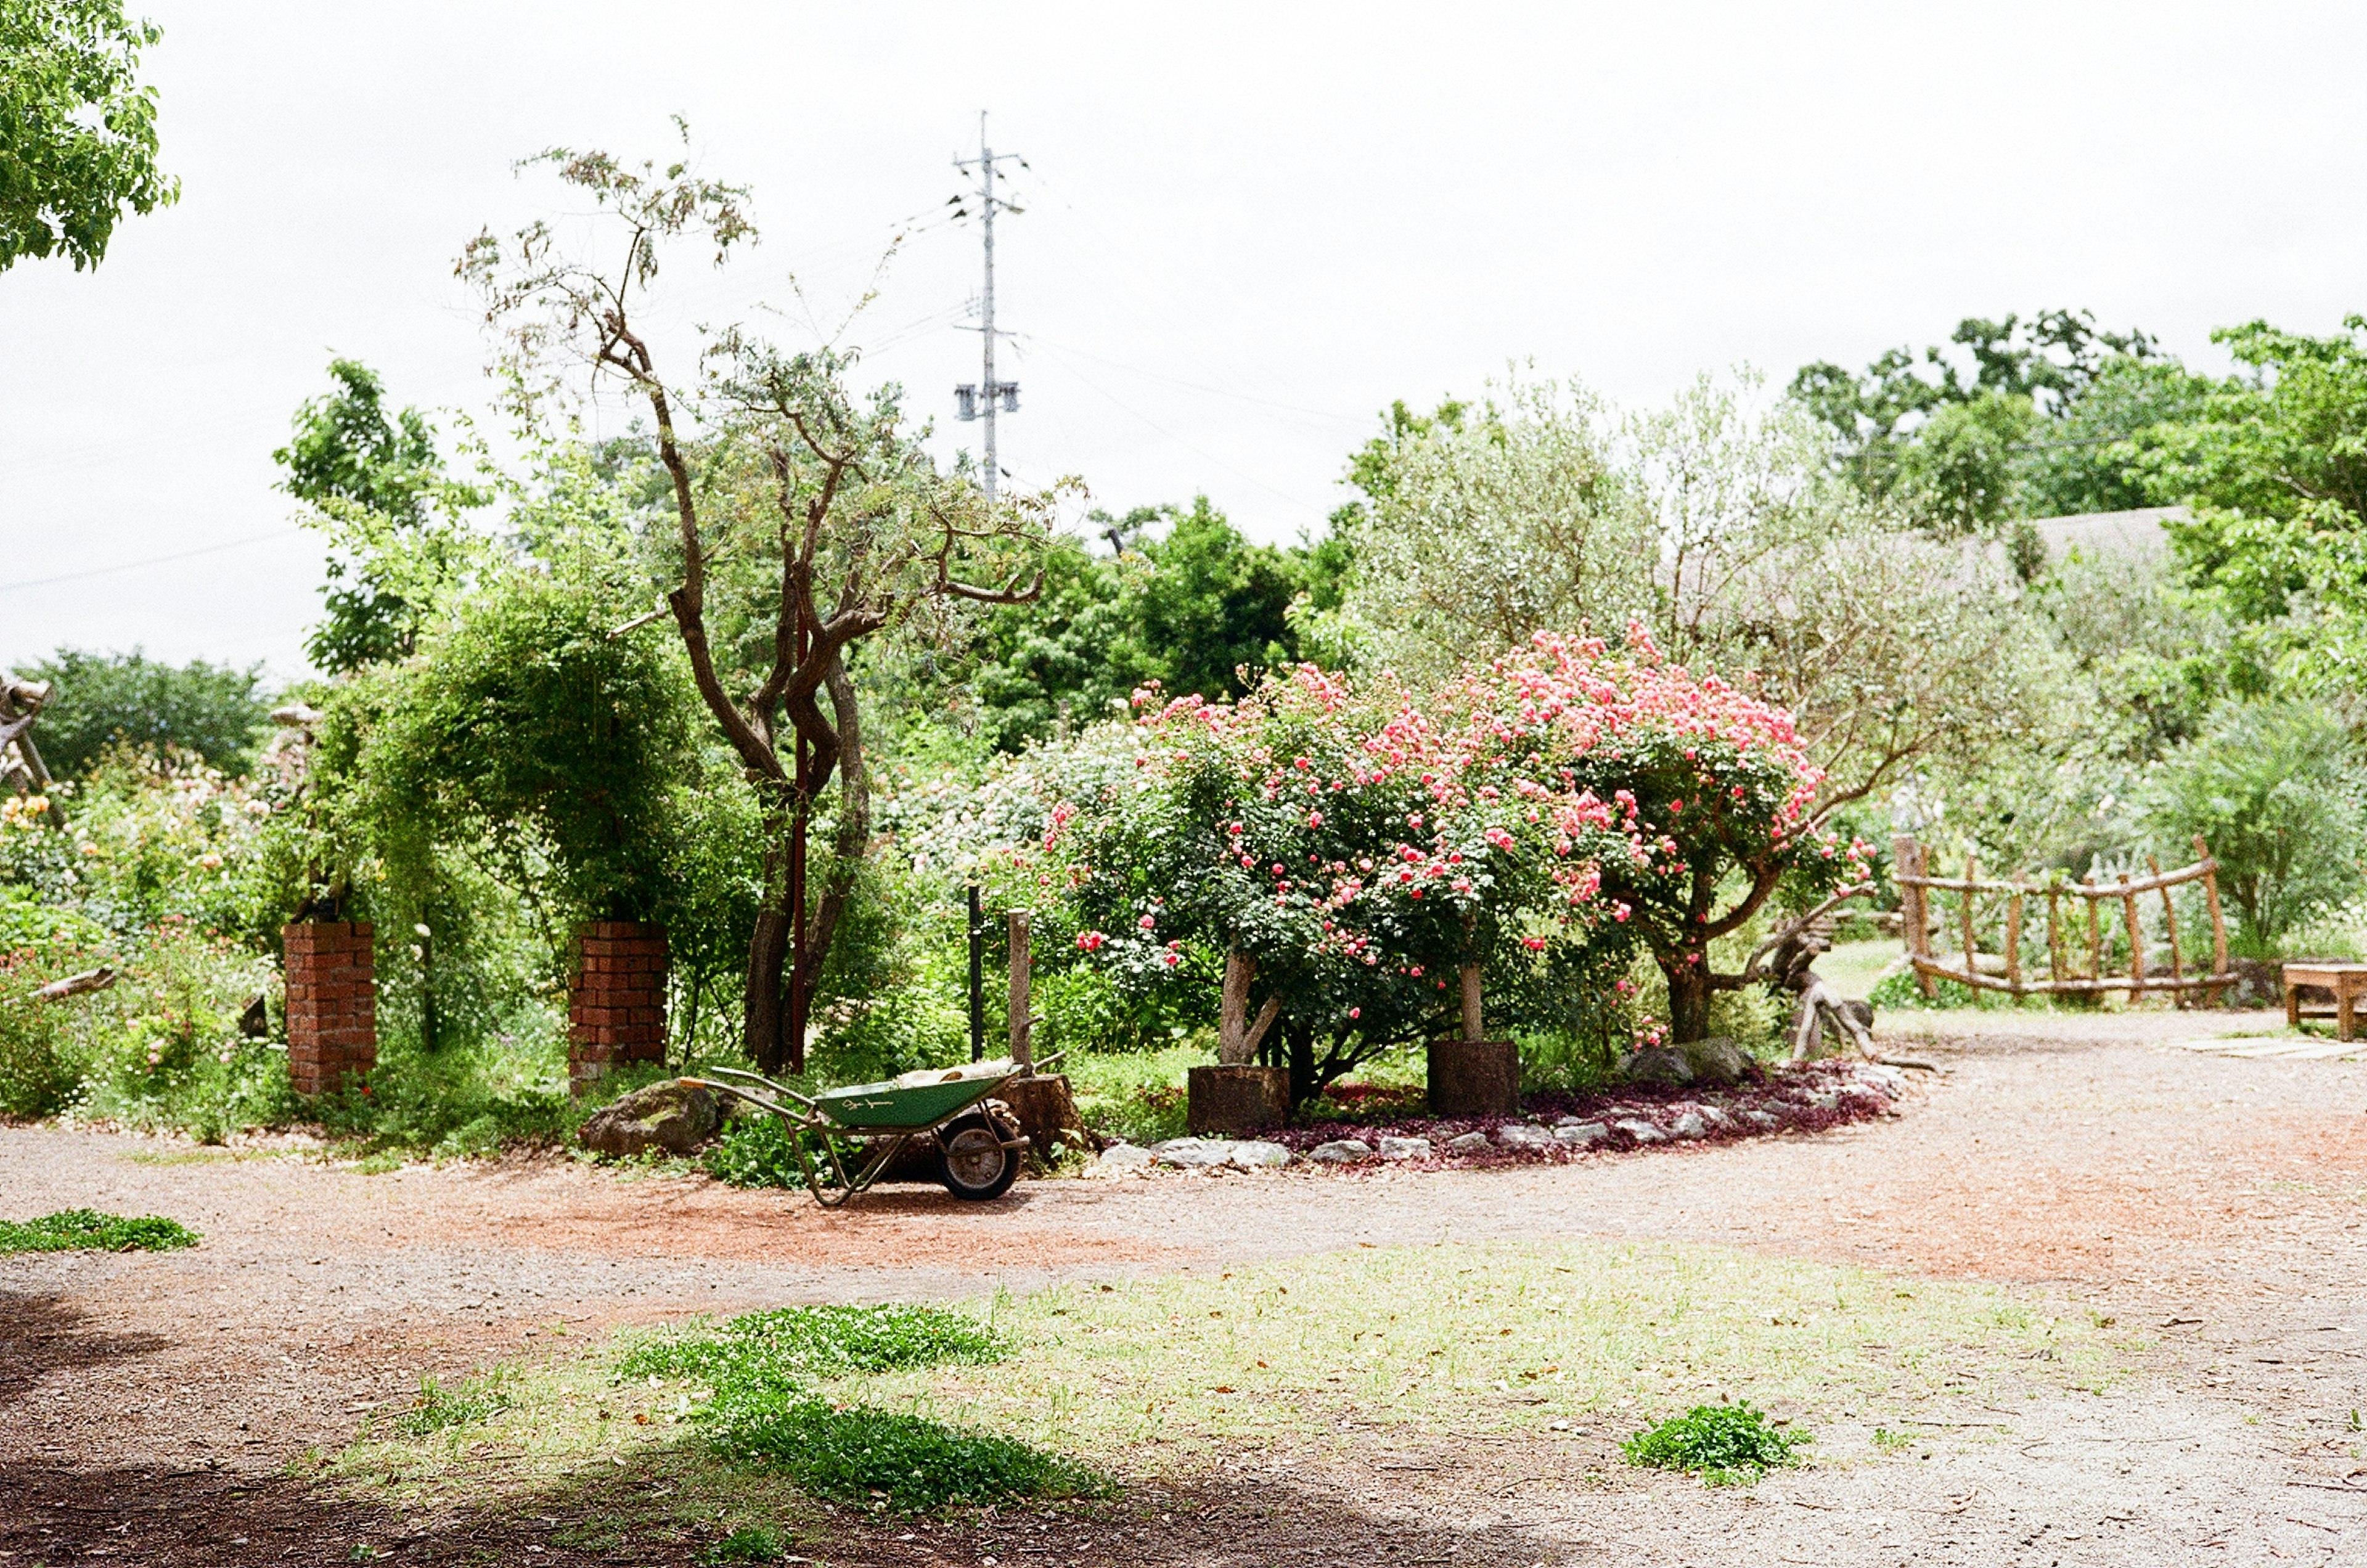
<point x="761" y="1370"/>
<point x="800" y="1345"/>
<point x="74" y="1229"/>
<point x="465" y="1403"/>
<point x="866" y="1456"/>
<point x="1724" y="1444"/>
<point x="749" y="1544"/>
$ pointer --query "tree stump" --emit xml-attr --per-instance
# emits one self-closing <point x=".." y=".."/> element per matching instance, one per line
<point x="1227" y="1099"/>
<point x="1048" y="1114"/>
<point x="1475" y="1077"/>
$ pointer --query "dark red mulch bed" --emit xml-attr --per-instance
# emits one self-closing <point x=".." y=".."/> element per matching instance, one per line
<point x="1788" y="1094"/>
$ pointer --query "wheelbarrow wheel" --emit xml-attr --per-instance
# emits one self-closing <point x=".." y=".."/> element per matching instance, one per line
<point x="972" y="1162"/>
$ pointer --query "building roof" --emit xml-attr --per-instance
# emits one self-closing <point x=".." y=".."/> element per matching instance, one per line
<point x="2137" y="532"/>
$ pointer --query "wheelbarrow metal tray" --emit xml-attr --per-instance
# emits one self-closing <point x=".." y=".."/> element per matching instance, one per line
<point x="892" y="1107"/>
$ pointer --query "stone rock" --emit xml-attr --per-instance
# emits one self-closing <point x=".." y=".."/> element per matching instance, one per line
<point x="1193" y="1154"/>
<point x="1340" y="1150"/>
<point x="665" y="1118"/>
<point x="1581" y="1135"/>
<point x="1643" y="1132"/>
<point x="1889" y="1080"/>
<point x="1717" y="1060"/>
<point x="1659" y="1064"/>
<point x="1762" y="1119"/>
<point x="1122" y="1159"/>
<point x="1405" y="1149"/>
<point x="1717" y="1116"/>
<point x="1571" y="1122"/>
<point x="1468" y="1142"/>
<point x="1825" y="1098"/>
<point x="1524" y="1135"/>
<point x="1250" y="1153"/>
<point x="1689" y="1125"/>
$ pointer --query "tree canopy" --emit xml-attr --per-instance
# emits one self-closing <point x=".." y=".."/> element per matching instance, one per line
<point x="376" y="486"/>
<point x="211" y="711"/>
<point x="77" y="129"/>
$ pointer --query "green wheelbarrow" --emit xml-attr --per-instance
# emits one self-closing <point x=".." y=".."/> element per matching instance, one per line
<point x="862" y="1129"/>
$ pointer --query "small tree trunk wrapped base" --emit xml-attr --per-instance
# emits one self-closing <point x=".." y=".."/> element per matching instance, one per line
<point x="1226" y="1099"/>
<point x="1475" y="1077"/>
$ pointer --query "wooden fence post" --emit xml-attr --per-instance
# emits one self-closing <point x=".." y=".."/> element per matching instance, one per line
<point x="2218" y="923"/>
<point x="2013" y="943"/>
<point x="1022" y="1046"/>
<point x="1914" y="910"/>
<point x="2137" y="943"/>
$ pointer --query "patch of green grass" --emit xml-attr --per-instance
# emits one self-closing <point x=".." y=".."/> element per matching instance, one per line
<point x="862" y="1456"/>
<point x="72" y="1229"/>
<point x="1890" y="1442"/>
<point x="473" y="1399"/>
<point x="760" y="1370"/>
<point x="1178" y="1375"/>
<point x="1724" y="1444"/>
<point x="196" y="1157"/>
<point x="1489" y="1340"/>
<point x="800" y="1345"/>
<point x="1136" y="1094"/>
<point x="751" y="1543"/>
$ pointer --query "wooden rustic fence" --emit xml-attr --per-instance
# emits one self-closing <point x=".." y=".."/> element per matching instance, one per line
<point x="1916" y="885"/>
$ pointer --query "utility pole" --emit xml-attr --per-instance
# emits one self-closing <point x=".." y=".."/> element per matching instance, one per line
<point x="967" y="405"/>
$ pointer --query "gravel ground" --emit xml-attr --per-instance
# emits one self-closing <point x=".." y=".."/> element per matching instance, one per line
<point x="150" y="1403"/>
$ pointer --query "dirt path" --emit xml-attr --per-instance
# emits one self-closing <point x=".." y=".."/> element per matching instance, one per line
<point x="2225" y="1198"/>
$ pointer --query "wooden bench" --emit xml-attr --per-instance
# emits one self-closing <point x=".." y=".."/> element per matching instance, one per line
<point x="2348" y="982"/>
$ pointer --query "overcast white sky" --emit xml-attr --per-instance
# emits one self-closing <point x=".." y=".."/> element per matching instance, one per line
<point x="1248" y="226"/>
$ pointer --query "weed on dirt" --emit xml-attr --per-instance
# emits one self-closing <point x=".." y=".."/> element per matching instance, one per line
<point x="1724" y="1444"/>
<point x="74" y="1229"/>
<point x="473" y="1399"/>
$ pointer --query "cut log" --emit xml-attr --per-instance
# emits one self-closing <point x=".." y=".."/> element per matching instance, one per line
<point x="75" y="985"/>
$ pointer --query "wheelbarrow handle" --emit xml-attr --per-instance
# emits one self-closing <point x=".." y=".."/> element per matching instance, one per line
<point x="780" y="1089"/>
<point x="758" y="1101"/>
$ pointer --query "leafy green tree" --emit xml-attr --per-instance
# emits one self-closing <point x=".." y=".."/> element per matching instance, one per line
<point x="1958" y="474"/>
<point x="1966" y="451"/>
<point x="807" y="520"/>
<point x="1718" y="526"/>
<point x="2273" y="466"/>
<point x="77" y="130"/>
<point x="213" y="711"/>
<point x="378" y="487"/>
<point x="2274" y="787"/>
<point x="1185" y="602"/>
<point x="2076" y="461"/>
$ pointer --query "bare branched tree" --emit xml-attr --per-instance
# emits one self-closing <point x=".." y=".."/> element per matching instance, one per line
<point x="823" y="506"/>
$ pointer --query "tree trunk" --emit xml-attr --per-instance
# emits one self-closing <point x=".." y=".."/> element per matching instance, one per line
<point x="1472" y="1016"/>
<point x="1688" y="995"/>
<point x="1237" y="1037"/>
<point x="763" y="1033"/>
<point x="1301" y="1040"/>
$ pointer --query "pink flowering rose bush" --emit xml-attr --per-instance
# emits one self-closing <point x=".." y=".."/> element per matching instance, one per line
<point x="1707" y="791"/>
<point x="1350" y="852"/>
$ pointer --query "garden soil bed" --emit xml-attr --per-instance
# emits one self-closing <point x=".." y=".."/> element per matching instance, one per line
<point x="151" y="1405"/>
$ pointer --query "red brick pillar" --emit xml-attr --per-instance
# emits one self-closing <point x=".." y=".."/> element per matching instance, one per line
<point x="615" y="998"/>
<point x="332" y="1003"/>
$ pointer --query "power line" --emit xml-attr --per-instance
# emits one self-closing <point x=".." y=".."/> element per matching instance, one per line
<point x="1171" y="435"/>
<point x="153" y="560"/>
<point x="1194" y="386"/>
